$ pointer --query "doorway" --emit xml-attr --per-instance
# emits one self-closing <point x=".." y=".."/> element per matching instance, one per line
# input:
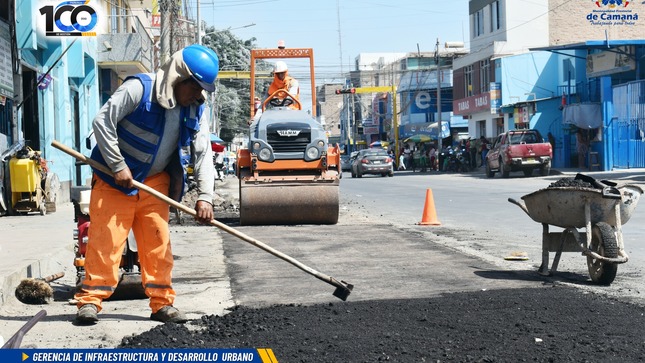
<point x="30" y="114"/>
<point x="76" y="133"/>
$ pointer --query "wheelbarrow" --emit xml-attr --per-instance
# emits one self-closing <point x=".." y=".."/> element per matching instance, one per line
<point x="601" y="212"/>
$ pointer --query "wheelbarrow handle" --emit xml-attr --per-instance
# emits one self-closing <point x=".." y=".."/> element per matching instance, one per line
<point x="520" y="204"/>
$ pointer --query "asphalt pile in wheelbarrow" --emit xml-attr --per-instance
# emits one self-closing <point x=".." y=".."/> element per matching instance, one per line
<point x="571" y="183"/>
<point x="547" y="324"/>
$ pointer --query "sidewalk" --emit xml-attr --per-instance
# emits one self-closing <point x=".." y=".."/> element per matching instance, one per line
<point x="636" y="175"/>
<point x="35" y="246"/>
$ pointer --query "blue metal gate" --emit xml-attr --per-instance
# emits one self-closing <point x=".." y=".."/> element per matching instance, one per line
<point x="629" y="125"/>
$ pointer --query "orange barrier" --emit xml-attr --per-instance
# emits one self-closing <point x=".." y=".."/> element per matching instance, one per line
<point x="429" y="213"/>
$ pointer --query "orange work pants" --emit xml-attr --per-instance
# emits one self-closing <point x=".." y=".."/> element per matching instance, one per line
<point x="112" y="215"/>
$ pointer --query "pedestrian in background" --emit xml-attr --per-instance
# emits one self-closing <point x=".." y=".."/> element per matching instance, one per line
<point x="414" y="156"/>
<point x="407" y="156"/>
<point x="552" y="142"/>
<point x="401" y="162"/>
<point x="140" y="131"/>
<point x="423" y="158"/>
<point x="432" y="156"/>
<point x="582" y="146"/>
<point x="485" y="146"/>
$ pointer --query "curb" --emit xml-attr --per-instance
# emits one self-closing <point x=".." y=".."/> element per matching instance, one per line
<point x="57" y="261"/>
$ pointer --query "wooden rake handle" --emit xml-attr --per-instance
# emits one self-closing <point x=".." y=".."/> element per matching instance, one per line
<point x="54" y="277"/>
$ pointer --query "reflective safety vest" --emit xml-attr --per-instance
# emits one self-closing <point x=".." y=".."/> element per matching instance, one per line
<point x="140" y="134"/>
<point x="286" y="85"/>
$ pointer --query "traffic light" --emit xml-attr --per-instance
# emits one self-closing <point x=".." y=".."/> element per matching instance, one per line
<point x="347" y="90"/>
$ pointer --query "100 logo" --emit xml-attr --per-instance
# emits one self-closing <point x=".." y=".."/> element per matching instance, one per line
<point x="81" y="20"/>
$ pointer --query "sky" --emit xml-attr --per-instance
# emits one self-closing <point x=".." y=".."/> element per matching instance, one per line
<point x="365" y="26"/>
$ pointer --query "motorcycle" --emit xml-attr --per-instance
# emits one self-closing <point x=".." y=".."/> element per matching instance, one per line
<point x="463" y="156"/>
<point x="456" y="160"/>
<point x="222" y="171"/>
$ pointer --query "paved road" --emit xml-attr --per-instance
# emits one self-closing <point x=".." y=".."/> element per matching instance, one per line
<point x="376" y="246"/>
<point x="475" y="212"/>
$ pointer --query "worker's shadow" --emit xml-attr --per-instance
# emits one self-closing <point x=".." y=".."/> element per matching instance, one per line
<point x="71" y="316"/>
<point x="533" y="275"/>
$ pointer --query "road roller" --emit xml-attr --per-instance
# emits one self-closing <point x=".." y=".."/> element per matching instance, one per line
<point x="288" y="174"/>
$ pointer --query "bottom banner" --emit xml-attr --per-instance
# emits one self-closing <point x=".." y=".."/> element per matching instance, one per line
<point x="261" y="355"/>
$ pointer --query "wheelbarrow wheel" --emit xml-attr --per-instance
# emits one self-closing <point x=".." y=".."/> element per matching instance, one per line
<point x="603" y="242"/>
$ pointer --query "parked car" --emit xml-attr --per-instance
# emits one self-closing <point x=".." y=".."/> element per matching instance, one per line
<point x="372" y="161"/>
<point x="519" y="150"/>
<point x="345" y="163"/>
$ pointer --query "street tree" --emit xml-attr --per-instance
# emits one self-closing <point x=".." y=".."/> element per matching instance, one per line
<point x="232" y="97"/>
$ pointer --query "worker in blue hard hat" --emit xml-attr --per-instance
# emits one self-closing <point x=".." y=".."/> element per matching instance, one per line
<point x="140" y="132"/>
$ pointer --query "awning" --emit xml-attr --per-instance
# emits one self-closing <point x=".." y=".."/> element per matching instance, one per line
<point x="592" y="44"/>
<point x="512" y="105"/>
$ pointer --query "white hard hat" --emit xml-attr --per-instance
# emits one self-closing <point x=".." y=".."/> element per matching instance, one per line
<point x="279" y="67"/>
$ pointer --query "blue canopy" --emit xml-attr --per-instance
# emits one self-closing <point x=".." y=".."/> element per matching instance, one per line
<point x="215" y="138"/>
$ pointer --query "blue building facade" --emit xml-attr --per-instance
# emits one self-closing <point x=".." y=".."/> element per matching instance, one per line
<point x="55" y="92"/>
<point x="53" y="83"/>
<point x="560" y="90"/>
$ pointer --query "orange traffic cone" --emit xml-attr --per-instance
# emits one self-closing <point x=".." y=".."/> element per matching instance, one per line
<point x="429" y="213"/>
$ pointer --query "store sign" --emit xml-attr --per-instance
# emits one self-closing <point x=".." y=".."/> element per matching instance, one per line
<point x="6" y="75"/>
<point x="523" y="114"/>
<point x="370" y="130"/>
<point x="425" y="101"/>
<point x="470" y="105"/>
<point x="612" y="13"/>
<point x="44" y="80"/>
<point x="495" y="97"/>
<point x="606" y="63"/>
<point x="156" y="15"/>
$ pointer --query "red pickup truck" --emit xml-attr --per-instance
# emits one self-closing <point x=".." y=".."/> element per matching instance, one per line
<point x="519" y="150"/>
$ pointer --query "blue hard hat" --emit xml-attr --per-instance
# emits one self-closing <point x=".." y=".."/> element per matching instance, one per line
<point x="203" y="64"/>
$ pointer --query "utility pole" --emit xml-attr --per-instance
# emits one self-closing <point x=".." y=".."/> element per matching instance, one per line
<point x="439" y="133"/>
<point x="165" y="26"/>
<point x="340" y="45"/>
<point x="348" y="125"/>
<point x="355" y="121"/>
<point x="199" y="25"/>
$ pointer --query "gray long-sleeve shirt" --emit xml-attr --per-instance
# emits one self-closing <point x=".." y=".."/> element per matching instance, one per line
<point x="123" y="102"/>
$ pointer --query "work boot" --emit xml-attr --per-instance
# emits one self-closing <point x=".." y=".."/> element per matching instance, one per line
<point x="87" y="315"/>
<point x="170" y="314"/>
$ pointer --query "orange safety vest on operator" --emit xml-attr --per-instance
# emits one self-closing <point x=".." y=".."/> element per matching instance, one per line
<point x="277" y="84"/>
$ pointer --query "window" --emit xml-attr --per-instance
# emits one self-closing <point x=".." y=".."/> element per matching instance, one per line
<point x="413" y="63"/>
<point x="118" y="17"/>
<point x="468" y="80"/>
<point x="523" y="138"/>
<point x="478" y="23"/>
<point x="4" y="10"/>
<point x="123" y="19"/>
<point x="495" y="16"/>
<point x="484" y="75"/>
<point x="114" y="20"/>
